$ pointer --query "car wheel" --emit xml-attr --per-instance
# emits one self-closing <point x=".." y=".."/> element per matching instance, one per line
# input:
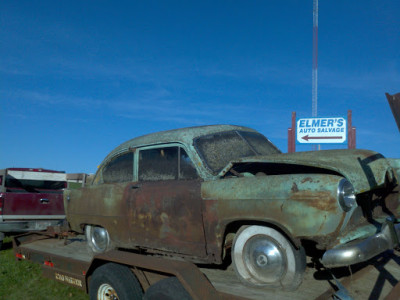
<point x="98" y="239"/>
<point x="167" y="289"/>
<point x="263" y="257"/>
<point x="114" y="282"/>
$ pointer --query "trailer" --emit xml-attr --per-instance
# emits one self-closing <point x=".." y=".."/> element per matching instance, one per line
<point x="120" y="274"/>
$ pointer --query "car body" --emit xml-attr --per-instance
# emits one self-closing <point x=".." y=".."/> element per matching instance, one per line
<point x="197" y="192"/>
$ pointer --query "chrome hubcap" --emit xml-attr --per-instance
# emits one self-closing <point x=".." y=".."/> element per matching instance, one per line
<point x="264" y="259"/>
<point x="106" y="292"/>
<point x="99" y="238"/>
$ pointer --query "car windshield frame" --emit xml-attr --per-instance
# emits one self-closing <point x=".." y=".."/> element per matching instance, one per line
<point x="216" y="140"/>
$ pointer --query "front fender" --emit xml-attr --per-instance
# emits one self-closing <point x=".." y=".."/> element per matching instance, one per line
<point x="305" y="204"/>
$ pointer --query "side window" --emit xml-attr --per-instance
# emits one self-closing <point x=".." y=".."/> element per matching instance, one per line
<point x="120" y="169"/>
<point x="186" y="167"/>
<point x="158" y="164"/>
<point x="168" y="163"/>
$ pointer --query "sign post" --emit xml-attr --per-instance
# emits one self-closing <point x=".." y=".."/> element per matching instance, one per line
<point x="321" y="131"/>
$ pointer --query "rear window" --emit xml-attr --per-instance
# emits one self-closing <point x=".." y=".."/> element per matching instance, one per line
<point x="32" y="186"/>
<point x="34" y="182"/>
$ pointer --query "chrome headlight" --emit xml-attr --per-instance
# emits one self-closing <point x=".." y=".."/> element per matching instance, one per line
<point x="346" y="195"/>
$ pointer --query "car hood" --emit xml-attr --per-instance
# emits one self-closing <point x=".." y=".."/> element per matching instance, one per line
<point x="365" y="169"/>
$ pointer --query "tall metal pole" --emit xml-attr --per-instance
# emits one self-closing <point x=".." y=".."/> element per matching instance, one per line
<point x="315" y="60"/>
<point x="315" y="63"/>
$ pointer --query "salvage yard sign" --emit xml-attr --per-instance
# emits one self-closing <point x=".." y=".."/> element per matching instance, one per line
<point x="321" y="131"/>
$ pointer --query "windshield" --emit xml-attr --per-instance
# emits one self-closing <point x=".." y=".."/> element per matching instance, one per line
<point x="218" y="149"/>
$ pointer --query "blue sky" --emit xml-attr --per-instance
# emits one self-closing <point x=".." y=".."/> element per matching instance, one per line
<point x="77" y="78"/>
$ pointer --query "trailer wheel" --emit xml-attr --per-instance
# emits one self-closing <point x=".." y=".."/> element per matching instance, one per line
<point x="114" y="282"/>
<point x="263" y="257"/>
<point x="98" y="239"/>
<point x="167" y="289"/>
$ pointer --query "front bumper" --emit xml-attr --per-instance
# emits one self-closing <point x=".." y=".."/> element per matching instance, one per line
<point x="352" y="253"/>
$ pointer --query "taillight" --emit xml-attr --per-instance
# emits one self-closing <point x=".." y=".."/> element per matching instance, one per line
<point x="48" y="263"/>
<point x="19" y="255"/>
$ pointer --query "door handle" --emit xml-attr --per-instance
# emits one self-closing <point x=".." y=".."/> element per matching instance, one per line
<point x="44" y="200"/>
<point x="135" y="187"/>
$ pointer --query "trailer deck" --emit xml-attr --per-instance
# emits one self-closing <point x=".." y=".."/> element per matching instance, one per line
<point x="68" y="261"/>
<point x="369" y="281"/>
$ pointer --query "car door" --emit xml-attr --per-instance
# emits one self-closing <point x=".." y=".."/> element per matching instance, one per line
<point x="165" y="202"/>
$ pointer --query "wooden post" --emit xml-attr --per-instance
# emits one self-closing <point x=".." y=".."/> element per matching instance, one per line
<point x="351" y="132"/>
<point x="292" y="135"/>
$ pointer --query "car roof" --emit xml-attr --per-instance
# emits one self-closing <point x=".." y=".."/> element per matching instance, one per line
<point x="181" y="135"/>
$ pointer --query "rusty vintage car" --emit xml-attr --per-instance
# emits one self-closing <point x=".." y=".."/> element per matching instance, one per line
<point x="196" y="193"/>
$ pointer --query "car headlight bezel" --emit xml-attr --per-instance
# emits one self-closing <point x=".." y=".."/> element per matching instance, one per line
<point x="346" y="195"/>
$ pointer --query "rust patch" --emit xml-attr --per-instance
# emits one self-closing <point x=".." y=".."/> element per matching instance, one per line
<point x="319" y="200"/>
<point x="328" y="240"/>
<point x="295" y="189"/>
<point x="307" y="179"/>
<point x="322" y="224"/>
